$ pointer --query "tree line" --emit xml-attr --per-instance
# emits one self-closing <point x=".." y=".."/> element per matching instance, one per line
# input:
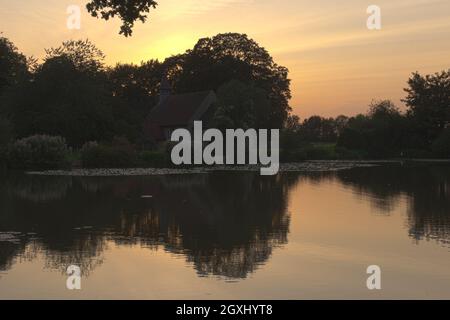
<point x="72" y="94"/>
<point x="421" y="131"/>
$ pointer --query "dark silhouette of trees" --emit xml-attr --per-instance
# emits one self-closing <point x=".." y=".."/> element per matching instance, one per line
<point x="74" y="95"/>
<point x="428" y="102"/>
<point x="68" y="96"/>
<point x="319" y="129"/>
<point x="241" y="106"/>
<point x="128" y="11"/>
<point x="379" y="133"/>
<point x="13" y="64"/>
<point x="6" y="132"/>
<point x="232" y="56"/>
<point x="83" y="54"/>
<point x="135" y="89"/>
<point x="441" y="146"/>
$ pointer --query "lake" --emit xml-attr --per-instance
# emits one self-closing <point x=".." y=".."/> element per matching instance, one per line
<point x="225" y="235"/>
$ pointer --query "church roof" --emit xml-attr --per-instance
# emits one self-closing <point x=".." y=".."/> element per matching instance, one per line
<point x="181" y="109"/>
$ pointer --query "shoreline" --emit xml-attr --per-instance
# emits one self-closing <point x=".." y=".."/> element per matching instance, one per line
<point x="306" y="166"/>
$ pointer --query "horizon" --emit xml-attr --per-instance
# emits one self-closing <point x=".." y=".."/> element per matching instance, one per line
<point x="336" y="65"/>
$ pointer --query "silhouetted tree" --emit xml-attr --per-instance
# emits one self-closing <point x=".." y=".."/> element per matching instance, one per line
<point x="68" y="96"/>
<point x="6" y="132"/>
<point x="441" y="146"/>
<point x="232" y="56"/>
<point x="13" y="64"/>
<point x="135" y="89"/>
<point x="292" y="123"/>
<point x="241" y="106"/>
<point x="83" y="54"/>
<point x="128" y="11"/>
<point x="380" y="133"/>
<point x="318" y="129"/>
<point x="428" y="101"/>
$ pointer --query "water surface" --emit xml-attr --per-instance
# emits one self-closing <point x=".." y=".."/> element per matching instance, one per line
<point x="228" y="235"/>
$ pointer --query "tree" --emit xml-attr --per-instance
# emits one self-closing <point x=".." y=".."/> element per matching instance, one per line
<point x="292" y="123"/>
<point x="428" y="102"/>
<point x="128" y="11"/>
<point x="383" y="109"/>
<point x="318" y="129"/>
<point x="441" y="146"/>
<point x="6" y="132"/>
<point x="380" y="133"/>
<point x="83" y="54"/>
<point x="232" y="56"/>
<point x="13" y="64"/>
<point x="68" y="96"/>
<point x="341" y="122"/>
<point x="241" y="106"/>
<point x="135" y="89"/>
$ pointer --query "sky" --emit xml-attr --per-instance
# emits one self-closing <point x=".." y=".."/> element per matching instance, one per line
<point x="337" y="65"/>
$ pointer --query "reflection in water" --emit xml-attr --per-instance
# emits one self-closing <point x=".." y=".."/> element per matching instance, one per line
<point x="426" y="188"/>
<point x="224" y="224"/>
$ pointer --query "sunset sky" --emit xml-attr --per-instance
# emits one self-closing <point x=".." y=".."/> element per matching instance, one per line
<point x="336" y="64"/>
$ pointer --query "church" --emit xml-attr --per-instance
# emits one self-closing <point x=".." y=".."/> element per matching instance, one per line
<point x="175" y="111"/>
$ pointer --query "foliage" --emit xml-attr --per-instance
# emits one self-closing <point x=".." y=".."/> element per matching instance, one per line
<point x="233" y="56"/>
<point x="379" y="133"/>
<point x="319" y="129"/>
<point x="128" y="11"/>
<point x="154" y="159"/>
<point x="241" y="106"/>
<point x="6" y="135"/>
<point x="13" y="64"/>
<point x="68" y="97"/>
<point x="135" y="89"/>
<point x="73" y="95"/>
<point x="6" y="132"/>
<point x="428" y="102"/>
<point x="119" y="154"/>
<point x="441" y="146"/>
<point x="38" y="152"/>
<point x="83" y="54"/>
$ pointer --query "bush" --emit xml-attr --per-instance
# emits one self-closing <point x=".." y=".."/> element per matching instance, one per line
<point x="6" y="134"/>
<point x="154" y="159"/>
<point x="295" y="155"/>
<point x="118" y="155"/>
<point x="320" y="152"/>
<point x="441" y="146"/>
<point x="347" y="154"/>
<point x="352" y="139"/>
<point x="38" y="152"/>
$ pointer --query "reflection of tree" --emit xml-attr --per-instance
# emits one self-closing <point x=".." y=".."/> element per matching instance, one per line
<point x="38" y="188"/>
<point x="225" y="224"/>
<point x="426" y="188"/>
<point x="228" y="225"/>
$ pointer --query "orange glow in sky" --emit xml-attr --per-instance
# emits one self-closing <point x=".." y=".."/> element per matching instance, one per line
<point x="336" y="64"/>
